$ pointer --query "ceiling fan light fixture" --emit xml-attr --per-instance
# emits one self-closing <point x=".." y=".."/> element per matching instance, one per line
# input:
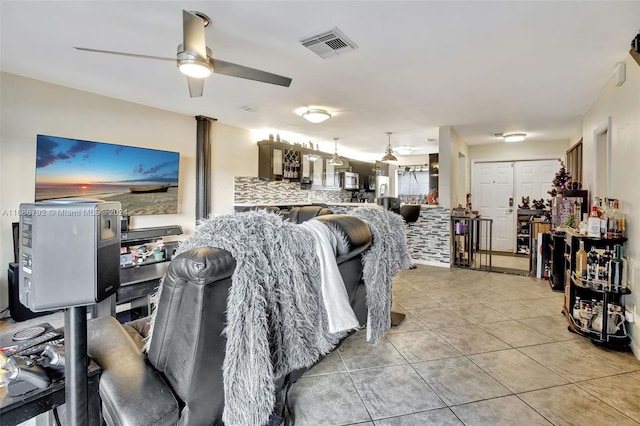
<point x="514" y="137"/>
<point x="192" y="64"/>
<point x="388" y="156"/>
<point x="315" y="115"/>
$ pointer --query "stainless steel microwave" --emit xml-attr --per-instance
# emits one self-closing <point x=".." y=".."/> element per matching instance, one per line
<point x="349" y="180"/>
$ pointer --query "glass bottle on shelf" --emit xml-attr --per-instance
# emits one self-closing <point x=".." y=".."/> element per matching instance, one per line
<point x="592" y="264"/>
<point x="593" y="223"/>
<point x="615" y="227"/>
<point x="603" y="267"/>
<point x="581" y="262"/>
<point x="582" y="227"/>
<point x="618" y="270"/>
<point x="576" y="309"/>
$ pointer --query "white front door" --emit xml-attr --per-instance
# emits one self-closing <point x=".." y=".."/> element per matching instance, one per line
<point x="492" y="196"/>
<point x="533" y="179"/>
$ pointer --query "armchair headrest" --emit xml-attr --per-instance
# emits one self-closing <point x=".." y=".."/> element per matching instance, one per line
<point x="353" y="234"/>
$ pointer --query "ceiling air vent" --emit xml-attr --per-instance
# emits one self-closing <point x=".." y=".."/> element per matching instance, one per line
<point x="329" y="43"/>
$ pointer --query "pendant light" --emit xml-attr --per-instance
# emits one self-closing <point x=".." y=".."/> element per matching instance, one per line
<point x="335" y="160"/>
<point x="388" y="156"/>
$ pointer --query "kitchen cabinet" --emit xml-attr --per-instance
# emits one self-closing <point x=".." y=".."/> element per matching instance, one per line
<point x="434" y="172"/>
<point x="592" y="309"/>
<point x="277" y="161"/>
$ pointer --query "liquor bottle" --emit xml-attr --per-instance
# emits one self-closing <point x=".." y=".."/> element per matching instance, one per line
<point x="604" y="218"/>
<point x="576" y="309"/>
<point x="593" y="224"/>
<point x="604" y="264"/>
<point x="616" y="222"/>
<point x="592" y="264"/>
<point x="581" y="262"/>
<point x="582" y="227"/>
<point x="618" y="270"/>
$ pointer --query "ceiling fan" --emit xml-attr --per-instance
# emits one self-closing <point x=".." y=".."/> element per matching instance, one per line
<point x="195" y="59"/>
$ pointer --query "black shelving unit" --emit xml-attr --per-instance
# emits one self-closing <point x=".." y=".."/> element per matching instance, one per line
<point x="595" y="293"/>
<point x="557" y="267"/>
<point x="523" y="230"/>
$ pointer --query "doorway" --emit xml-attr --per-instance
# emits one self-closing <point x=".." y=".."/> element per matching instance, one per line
<point x="497" y="192"/>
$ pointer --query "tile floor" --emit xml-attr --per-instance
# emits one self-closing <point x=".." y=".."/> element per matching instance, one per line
<point x="476" y="348"/>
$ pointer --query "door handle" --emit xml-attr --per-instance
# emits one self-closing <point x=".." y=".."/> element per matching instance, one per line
<point x="509" y="210"/>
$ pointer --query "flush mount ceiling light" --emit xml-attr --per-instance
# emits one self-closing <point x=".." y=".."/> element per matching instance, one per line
<point x="404" y="150"/>
<point x="335" y="160"/>
<point x="388" y="156"/>
<point x="514" y="137"/>
<point x="511" y="137"/>
<point x="315" y="115"/>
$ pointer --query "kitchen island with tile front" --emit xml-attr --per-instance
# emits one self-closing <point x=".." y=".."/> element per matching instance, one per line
<point x="428" y="238"/>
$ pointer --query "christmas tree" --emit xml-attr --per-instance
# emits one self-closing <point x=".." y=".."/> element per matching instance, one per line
<point x="560" y="181"/>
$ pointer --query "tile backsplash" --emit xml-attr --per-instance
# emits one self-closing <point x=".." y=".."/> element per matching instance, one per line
<point x="252" y="190"/>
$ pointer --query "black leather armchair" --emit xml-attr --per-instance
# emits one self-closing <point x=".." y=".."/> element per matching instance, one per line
<point x="304" y="213"/>
<point x="180" y="380"/>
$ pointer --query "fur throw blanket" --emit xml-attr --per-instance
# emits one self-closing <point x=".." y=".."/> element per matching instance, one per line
<point x="276" y="321"/>
<point x="387" y="255"/>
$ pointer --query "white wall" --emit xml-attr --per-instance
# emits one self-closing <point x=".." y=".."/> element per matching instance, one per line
<point x="235" y="153"/>
<point x="30" y="107"/>
<point x="622" y="104"/>
<point x="527" y="150"/>
<point x="451" y="145"/>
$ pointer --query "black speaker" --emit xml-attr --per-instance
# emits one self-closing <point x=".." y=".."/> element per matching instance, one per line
<point x="18" y="311"/>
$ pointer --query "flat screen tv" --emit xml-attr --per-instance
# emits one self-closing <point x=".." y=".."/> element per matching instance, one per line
<point x="143" y="180"/>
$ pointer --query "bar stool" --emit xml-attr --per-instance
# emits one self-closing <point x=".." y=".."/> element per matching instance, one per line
<point x="410" y="213"/>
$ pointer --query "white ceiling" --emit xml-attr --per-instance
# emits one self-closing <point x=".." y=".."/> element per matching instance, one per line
<point x="481" y="67"/>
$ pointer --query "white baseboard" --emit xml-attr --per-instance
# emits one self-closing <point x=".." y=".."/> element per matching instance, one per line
<point x="431" y="263"/>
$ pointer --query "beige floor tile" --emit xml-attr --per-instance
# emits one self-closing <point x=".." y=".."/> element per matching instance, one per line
<point x="329" y="399"/>
<point x="414" y="302"/>
<point x="422" y="346"/>
<point x="410" y="323"/>
<point x="516" y="371"/>
<point x="621" y="392"/>
<point x="471" y="339"/>
<point x="623" y="361"/>
<point x="356" y="353"/>
<point x="479" y="313"/>
<point x="458" y="380"/>
<point x="440" y="417"/>
<point x="562" y="405"/>
<point x="515" y="309"/>
<point x="440" y="317"/>
<point x="394" y="391"/>
<point x="572" y="364"/>
<point x="554" y="326"/>
<point x="516" y="334"/>
<point x="507" y="411"/>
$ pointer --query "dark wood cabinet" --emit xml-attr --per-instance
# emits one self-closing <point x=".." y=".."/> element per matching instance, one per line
<point x="557" y="268"/>
<point x="277" y="161"/>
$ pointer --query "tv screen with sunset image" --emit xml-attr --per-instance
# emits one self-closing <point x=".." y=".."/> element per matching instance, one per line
<point x="143" y="180"/>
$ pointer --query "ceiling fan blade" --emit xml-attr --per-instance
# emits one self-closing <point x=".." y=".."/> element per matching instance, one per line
<point x="196" y="86"/>
<point x="133" y="55"/>
<point x="235" y="70"/>
<point x="193" y="34"/>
